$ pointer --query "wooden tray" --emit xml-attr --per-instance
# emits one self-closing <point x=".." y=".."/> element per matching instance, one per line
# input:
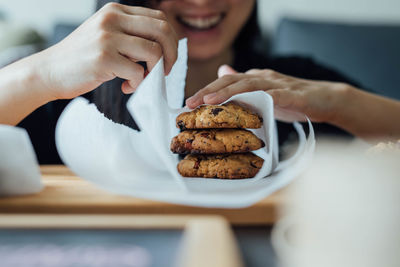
<point x="64" y="193"/>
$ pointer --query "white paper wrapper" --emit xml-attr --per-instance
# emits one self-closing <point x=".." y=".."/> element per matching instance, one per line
<point x="19" y="170"/>
<point x="141" y="164"/>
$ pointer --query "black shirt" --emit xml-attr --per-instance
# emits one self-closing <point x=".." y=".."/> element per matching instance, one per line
<point x="42" y="122"/>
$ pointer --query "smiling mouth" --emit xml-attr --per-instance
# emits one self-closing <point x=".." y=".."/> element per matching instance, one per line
<point x="201" y="23"/>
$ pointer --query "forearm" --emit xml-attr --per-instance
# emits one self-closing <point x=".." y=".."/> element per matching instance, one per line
<point x="368" y="116"/>
<point x="22" y="90"/>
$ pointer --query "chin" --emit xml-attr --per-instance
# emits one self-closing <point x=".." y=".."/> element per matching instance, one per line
<point x="203" y="54"/>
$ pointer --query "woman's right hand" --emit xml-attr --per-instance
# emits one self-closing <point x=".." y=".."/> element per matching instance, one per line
<point x="107" y="46"/>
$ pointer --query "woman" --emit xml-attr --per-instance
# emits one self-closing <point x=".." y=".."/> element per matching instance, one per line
<point x="110" y="43"/>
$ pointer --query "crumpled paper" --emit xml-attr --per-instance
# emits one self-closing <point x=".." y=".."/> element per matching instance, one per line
<point x="140" y="164"/>
<point x="19" y="170"/>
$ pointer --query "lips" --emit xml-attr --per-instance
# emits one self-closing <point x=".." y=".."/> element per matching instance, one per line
<point x="201" y="23"/>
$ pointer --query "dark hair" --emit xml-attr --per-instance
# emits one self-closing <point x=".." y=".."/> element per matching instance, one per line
<point x="112" y="102"/>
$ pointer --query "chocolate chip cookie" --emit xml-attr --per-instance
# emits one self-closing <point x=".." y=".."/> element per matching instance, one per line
<point x="215" y="141"/>
<point x="223" y="166"/>
<point x="219" y="116"/>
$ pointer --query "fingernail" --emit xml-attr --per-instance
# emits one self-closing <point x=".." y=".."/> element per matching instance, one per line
<point x="167" y="70"/>
<point x="191" y="99"/>
<point x="225" y="70"/>
<point x="192" y="102"/>
<point x="209" y="97"/>
<point x="222" y="71"/>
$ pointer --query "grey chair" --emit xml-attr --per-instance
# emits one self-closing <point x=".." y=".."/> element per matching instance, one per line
<point x="368" y="54"/>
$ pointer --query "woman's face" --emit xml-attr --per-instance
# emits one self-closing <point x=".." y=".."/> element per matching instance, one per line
<point x="211" y="26"/>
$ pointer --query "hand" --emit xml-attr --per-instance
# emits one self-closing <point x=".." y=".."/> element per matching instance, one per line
<point x="319" y="100"/>
<point x="107" y="46"/>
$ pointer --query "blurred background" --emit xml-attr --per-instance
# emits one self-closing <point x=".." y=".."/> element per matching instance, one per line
<point x="360" y="38"/>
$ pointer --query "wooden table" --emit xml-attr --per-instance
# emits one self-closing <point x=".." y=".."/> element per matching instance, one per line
<point x="205" y="241"/>
<point x="65" y="193"/>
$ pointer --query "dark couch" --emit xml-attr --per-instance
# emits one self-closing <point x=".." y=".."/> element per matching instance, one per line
<point x="368" y="54"/>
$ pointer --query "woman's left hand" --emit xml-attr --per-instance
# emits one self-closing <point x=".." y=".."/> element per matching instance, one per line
<point x="319" y="100"/>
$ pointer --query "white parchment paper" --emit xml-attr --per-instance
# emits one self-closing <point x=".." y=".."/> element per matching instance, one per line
<point x="140" y="164"/>
<point x="19" y="170"/>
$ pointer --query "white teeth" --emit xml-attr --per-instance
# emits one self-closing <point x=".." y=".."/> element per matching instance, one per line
<point x="202" y="23"/>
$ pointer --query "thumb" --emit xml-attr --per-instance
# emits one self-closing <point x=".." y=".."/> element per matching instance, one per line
<point x="225" y="70"/>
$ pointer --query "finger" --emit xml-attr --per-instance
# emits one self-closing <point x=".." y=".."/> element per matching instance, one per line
<point x="248" y="84"/>
<point x="254" y="72"/>
<point x="144" y="50"/>
<point x="126" y="69"/>
<point x="112" y="10"/>
<point x="225" y="70"/>
<point x="268" y="73"/>
<point x="133" y="10"/>
<point x="143" y="11"/>
<point x="154" y="30"/>
<point x="147" y="12"/>
<point x="126" y="88"/>
<point x="213" y="87"/>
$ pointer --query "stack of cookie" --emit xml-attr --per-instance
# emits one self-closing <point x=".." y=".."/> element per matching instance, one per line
<point x="216" y="142"/>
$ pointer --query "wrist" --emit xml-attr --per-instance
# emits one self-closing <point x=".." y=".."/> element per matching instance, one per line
<point x="38" y="78"/>
<point x="22" y="90"/>
<point x="345" y="95"/>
